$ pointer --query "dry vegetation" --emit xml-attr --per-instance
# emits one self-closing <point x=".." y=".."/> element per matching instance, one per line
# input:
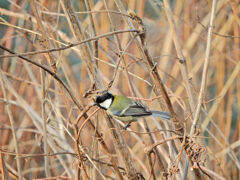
<point x="57" y="56"/>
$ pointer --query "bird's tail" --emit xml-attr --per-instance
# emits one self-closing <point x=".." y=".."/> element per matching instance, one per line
<point x="164" y="115"/>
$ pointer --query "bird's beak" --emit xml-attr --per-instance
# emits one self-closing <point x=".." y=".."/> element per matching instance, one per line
<point x="95" y="104"/>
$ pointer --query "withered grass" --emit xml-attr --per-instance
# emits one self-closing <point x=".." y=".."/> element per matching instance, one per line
<point x="181" y="57"/>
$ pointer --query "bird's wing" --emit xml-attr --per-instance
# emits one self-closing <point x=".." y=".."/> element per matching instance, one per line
<point x="135" y="109"/>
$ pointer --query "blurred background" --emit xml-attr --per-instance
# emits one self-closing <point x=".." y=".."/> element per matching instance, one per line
<point x="39" y="121"/>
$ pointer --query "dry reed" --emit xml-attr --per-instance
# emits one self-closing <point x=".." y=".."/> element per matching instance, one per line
<point x="176" y="56"/>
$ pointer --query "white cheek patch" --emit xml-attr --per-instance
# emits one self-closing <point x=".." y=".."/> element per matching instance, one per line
<point x="106" y="104"/>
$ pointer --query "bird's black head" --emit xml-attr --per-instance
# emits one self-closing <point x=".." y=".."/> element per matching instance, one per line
<point x="105" y="100"/>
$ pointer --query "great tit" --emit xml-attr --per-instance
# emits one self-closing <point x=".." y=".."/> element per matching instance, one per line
<point x="126" y="109"/>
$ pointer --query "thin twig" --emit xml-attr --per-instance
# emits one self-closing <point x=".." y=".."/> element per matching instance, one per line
<point x="182" y="60"/>
<point x="13" y="126"/>
<point x="149" y="148"/>
<point x="54" y="75"/>
<point x="70" y="45"/>
<point x="205" y="71"/>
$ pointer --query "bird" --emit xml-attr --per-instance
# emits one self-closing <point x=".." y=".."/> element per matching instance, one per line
<point x="126" y="109"/>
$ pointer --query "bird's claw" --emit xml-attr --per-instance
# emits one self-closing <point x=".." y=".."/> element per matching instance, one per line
<point x="126" y="126"/>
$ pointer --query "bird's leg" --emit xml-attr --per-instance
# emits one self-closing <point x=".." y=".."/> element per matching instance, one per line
<point x="126" y="126"/>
